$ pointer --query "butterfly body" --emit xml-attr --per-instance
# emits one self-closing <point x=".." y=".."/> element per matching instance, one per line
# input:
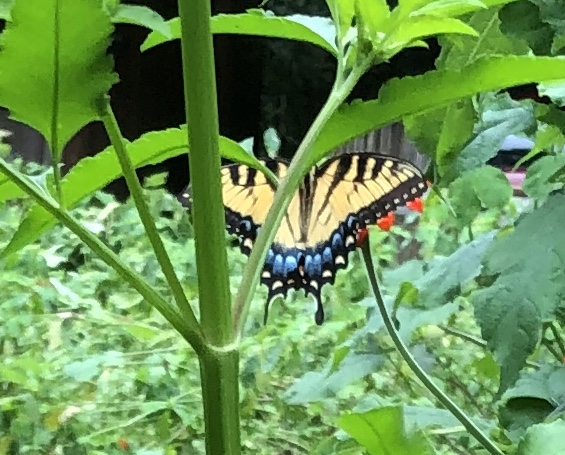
<point x="320" y="226"/>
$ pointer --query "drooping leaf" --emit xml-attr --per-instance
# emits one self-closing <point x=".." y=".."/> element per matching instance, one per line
<point x="411" y="95"/>
<point x="141" y="15"/>
<point x="528" y="265"/>
<point x="381" y="432"/>
<point x="317" y="31"/>
<point x="94" y="173"/>
<point x="54" y="65"/>
<point x="531" y="400"/>
<point x="485" y="187"/>
<point x="543" y="439"/>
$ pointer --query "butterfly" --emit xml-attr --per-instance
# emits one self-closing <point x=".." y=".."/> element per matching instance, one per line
<point x="319" y="230"/>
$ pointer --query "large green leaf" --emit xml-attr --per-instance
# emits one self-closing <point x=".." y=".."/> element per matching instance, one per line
<point x="381" y="432"/>
<point x="528" y="265"/>
<point x="533" y="398"/>
<point x="319" y="31"/>
<point x="54" y="65"/>
<point x="141" y="15"/>
<point x="411" y="95"/>
<point x="93" y="173"/>
<point x="486" y="187"/>
<point x="543" y="439"/>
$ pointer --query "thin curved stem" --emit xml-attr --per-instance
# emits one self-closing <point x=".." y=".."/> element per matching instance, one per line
<point x="449" y="404"/>
<point x="287" y="186"/>
<point x="117" y="140"/>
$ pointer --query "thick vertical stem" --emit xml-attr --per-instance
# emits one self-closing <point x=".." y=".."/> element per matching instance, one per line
<point x="219" y="364"/>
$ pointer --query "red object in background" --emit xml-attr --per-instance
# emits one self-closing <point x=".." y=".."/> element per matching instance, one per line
<point x="123" y="444"/>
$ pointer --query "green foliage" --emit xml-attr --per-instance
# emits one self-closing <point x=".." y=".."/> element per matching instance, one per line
<point x="381" y="431"/>
<point x="546" y="439"/>
<point x="511" y="311"/>
<point x="317" y="31"/>
<point x="72" y="70"/>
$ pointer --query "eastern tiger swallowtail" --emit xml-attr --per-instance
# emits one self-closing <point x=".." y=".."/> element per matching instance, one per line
<point x="319" y="230"/>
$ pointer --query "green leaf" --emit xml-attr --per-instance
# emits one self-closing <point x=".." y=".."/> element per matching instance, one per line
<point x="548" y="138"/>
<point x="532" y="399"/>
<point x="449" y="8"/>
<point x="463" y="50"/>
<point x="540" y="182"/>
<point x="446" y="275"/>
<point x="411" y="95"/>
<point x="5" y="9"/>
<point x="527" y="290"/>
<point x="419" y="27"/>
<point x="260" y="23"/>
<point x="381" y="432"/>
<point x="543" y="439"/>
<point x="342" y="12"/>
<point x="141" y="15"/>
<point x="521" y="21"/>
<point x="555" y="90"/>
<point x="71" y="67"/>
<point x="94" y="173"/>
<point x="499" y="116"/>
<point x="317" y="386"/>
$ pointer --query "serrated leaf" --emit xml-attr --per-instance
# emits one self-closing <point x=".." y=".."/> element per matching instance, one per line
<point x="528" y="289"/>
<point x="94" y="173"/>
<point x="543" y="439"/>
<point x="258" y="23"/>
<point x="486" y="187"/>
<point x="52" y="72"/>
<point x="399" y="98"/>
<point x="141" y="15"/>
<point x="534" y="396"/>
<point x="447" y="274"/>
<point x="540" y="177"/>
<point x="381" y="432"/>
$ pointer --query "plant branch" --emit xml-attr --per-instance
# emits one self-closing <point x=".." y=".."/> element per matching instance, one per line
<point x="117" y="140"/>
<point x="219" y="365"/>
<point x="449" y="404"/>
<point x="287" y="187"/>
<point x="107" y="255"/>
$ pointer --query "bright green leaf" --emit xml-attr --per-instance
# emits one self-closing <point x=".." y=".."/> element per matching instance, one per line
<point x="71" y="67"/>
<point x="411" y="95"/>
<point x="259" y="23"/>
<point x="94" y="173"/>
<point x="141" y="15"/>
<point x="381" y="432"/>
<point x="448" y="8"/>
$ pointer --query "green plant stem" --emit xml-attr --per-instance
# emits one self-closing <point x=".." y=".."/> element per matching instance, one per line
<point x="108" y="256"/>
<point x="558" y="338"/>
<point x="449" y="404"/>
<point x="117" y="140"/>
<point x="56" y="151"/>
<point x="219" y="366"/>
<point x="287" y="187"/>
